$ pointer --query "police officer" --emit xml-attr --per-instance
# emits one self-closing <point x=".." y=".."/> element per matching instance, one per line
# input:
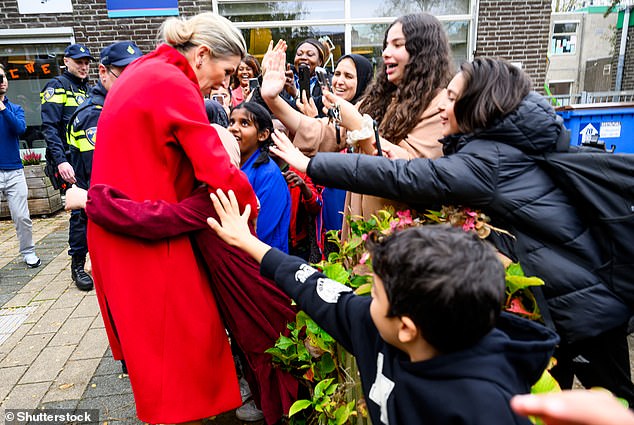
<point x="60" y="98"/>
<point x="81" y="136"/>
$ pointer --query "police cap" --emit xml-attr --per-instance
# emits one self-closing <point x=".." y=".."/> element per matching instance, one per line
<point x="77" y="51"/>
<point x="121" y="53"/>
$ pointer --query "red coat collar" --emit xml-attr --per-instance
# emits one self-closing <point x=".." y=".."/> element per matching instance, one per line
<point x="172" y="56"/>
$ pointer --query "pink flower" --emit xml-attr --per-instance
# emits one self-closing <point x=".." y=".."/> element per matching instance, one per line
<point x="469" y="223"/>
<point x="405" y="217"/>
<point x="364" y="258"/>
<point x="364" y="237"/>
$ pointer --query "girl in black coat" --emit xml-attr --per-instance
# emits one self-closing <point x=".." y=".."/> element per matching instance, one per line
<point x="492" y="124"/>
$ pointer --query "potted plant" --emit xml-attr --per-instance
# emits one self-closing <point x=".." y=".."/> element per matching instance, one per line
<point x="42" y="198"/>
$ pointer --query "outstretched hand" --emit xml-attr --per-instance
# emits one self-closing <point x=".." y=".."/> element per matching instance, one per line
<point x="574" y="407"/>
<point x="233" y="227"/>
<point x="351" y="118"/>
<point x="285" y="149"/>
<point x="76" y="198"/>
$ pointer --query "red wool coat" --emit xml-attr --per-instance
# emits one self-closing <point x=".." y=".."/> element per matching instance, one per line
<point x="159" y="312"/>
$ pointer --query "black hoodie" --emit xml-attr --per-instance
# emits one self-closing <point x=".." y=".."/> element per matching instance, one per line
<point x="471" y="386"/>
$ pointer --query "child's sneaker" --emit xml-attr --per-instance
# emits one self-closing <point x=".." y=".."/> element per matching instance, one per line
<point x="245" y="391"/>
<point x="249" y="413"/>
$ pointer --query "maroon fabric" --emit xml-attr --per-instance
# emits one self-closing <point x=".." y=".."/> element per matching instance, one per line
<point x="253" y="308"/>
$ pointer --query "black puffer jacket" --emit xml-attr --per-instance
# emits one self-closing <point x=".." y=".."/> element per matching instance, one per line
<point x="491" y="171"/>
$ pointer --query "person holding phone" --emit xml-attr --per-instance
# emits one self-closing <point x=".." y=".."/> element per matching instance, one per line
<point x="249" y="69"/>
<point x="300" y="77"/>
<point x="404" y="104"/>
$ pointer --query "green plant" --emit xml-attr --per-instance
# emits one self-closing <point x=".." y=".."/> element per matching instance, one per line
<point x="322" y="366"/>
<point x="31" y="158"/>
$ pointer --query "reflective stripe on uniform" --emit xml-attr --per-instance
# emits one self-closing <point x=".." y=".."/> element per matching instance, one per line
<point x="84" y="140"/>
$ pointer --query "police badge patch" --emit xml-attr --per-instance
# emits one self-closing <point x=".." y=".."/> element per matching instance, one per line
<point x="91" y="135"/>
<point x="80" y="98"/>
<point x="48" y="93"/>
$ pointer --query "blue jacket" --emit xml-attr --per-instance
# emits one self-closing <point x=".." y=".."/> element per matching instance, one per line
<point x="467" y="387"/>
<point x="12" y="126"/>
<point x="60" y="97"/>
<point x="271" y="189"/>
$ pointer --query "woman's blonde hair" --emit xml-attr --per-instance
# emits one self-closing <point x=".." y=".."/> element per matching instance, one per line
<point x="205" y="29"/>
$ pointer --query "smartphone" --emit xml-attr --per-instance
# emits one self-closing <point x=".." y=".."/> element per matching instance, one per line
<point x="304" y="80"/>
<point x="254" y="83"/>
<point x="322" y="76"/>
<point x="379" y="151"/>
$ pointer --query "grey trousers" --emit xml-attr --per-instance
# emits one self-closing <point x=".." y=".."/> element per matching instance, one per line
<point x="13" y="188"/>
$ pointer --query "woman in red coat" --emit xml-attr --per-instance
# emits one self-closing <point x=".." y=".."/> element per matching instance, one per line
<point x="154" y="143"/>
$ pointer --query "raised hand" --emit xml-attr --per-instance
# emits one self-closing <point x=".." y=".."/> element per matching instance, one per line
<point x="274" y="77"/>
<point x="290" y="154"/>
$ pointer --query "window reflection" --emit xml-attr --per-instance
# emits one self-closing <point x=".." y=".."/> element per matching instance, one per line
<point x="28" y="68"/>
<point x="380" y="8"/>
<point x="258" y="39"/>
<point x="259" y="11"/>
<point x="367" y="40"/>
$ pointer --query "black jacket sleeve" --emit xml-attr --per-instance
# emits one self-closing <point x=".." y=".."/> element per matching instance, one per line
<point x="330" y="304"/>
<point x="462" y="178"/>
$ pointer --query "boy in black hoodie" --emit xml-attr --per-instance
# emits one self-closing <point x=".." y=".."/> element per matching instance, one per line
<point x="431" y="344"/>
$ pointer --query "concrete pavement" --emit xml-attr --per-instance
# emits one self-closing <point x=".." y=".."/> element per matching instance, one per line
<point x="53" y="347"/>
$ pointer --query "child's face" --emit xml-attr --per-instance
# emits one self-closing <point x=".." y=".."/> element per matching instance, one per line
<point x="243" y="128"/>
<point x="387" y="326"/>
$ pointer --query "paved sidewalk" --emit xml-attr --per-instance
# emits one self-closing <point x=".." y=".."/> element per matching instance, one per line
<point x="53" y="347"/>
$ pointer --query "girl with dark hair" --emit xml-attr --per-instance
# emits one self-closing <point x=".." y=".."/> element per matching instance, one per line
<point x="493" y="126"/>
<point x="252" y="127"/>
<point x="403" y="98"/>
<point x="248" y="68"/>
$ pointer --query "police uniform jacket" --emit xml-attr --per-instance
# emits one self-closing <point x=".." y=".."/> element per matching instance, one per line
<point x="82" y="134"/>
<point x="60" y="98"/>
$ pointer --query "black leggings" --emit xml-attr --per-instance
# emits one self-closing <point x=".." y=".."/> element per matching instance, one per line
<point x="601" y="361"/>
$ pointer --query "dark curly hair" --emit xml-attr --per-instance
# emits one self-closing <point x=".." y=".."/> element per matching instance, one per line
<point x="448" y="281"/>
<point x="252" y="63"/>
<point x="398" y="108"/>
<point x="263" y="122"/>
<point x="492" y="89"/>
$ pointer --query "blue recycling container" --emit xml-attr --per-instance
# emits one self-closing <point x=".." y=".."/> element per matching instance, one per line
<point x="608" y="123"/>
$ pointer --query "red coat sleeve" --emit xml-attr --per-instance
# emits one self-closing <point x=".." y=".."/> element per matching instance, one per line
<point x="112" y="209"/>
<point x="203" y="147"/>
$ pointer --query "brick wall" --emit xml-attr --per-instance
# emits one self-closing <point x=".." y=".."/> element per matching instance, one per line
<point x="627" y="81"/>
<point x="517" y="31"/>
<point x="92" y="26"/>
